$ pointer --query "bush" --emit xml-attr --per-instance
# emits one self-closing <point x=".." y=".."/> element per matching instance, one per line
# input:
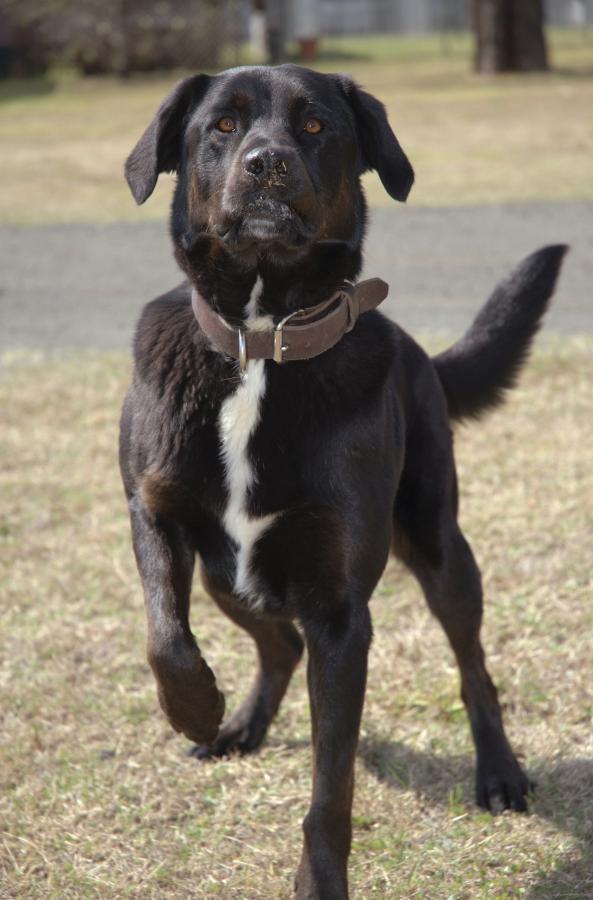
<point x="120" y="36"/>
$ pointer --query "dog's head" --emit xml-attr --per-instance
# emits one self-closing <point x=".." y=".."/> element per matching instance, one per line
<point x="268" y="159"/>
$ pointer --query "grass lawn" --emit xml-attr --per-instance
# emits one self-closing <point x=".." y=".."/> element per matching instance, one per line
<point x="472" y="139"/>
<point x="96" y="796"/>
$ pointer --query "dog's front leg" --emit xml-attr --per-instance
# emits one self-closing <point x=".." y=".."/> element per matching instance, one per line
<point x="186" y="685"/>
<point x="338" y="645"/>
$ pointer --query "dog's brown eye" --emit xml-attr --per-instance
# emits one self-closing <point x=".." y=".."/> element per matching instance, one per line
<point x="226" y="124"/>
<point x="313" y="126"/>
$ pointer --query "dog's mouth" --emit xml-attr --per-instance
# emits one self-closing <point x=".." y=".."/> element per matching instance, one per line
<point x="266" y="225"/>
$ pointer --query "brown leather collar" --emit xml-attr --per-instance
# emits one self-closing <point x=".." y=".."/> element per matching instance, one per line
<point x="301" y="335"/>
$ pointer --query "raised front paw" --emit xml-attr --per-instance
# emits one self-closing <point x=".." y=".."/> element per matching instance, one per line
<point x="187" y="692"/>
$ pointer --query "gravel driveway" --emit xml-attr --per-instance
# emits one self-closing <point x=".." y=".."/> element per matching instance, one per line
<point x="75" y="286"/>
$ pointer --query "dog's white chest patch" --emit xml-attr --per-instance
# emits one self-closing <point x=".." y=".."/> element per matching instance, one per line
<point x="238" y="419"/>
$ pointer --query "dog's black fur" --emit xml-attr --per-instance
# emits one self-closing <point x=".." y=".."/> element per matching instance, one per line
<point x="352" y="451"/>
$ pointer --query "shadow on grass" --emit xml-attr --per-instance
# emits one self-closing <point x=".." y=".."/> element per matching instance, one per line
<point x="18" y="88"/>
<point x="564" y="796"/>
<point x="434" y="777"/>
<point x="571" y="880"/>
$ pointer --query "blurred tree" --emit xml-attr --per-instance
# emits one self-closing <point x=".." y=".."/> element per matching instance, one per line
<point x="21" y="51"/>
<point x="122" y="36"/>
<point x="277" y="14"/>
<point x="509" y="36"/>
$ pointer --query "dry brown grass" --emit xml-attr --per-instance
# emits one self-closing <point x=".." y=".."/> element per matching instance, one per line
<point x="472" y="139"/>
<point x="97" y="798"/>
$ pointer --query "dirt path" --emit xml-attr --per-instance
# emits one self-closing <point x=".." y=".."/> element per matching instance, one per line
<point x="83" y="285"/>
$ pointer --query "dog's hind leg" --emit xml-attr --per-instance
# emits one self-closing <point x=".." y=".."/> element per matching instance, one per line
<point x="429" y="541"/>
<point x="279" y="648"/>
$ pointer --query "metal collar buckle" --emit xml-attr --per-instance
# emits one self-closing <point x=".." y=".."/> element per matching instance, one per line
<point x="279" y="346"/>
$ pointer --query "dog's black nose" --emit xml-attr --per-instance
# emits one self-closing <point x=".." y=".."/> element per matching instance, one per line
<point x="265" y="161"/>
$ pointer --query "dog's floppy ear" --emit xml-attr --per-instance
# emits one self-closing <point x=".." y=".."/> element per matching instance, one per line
<point x="159" y="148"/>
<point x="379" y="146"/>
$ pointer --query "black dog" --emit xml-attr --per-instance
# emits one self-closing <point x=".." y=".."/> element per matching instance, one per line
<point x="293" y="480"/>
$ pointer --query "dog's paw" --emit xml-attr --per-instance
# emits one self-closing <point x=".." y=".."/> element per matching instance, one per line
<point x="503" y="786"/>
<point x="239" y="735"/>
<point x="190" y="698"/>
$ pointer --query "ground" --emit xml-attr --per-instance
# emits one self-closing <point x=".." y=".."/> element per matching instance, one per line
<point x="97" y="797"/>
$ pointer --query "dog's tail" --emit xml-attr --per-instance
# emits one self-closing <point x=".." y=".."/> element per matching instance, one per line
<point x="476" y="371"/>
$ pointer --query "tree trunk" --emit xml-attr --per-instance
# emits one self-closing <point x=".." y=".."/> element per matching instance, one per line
<point x="509" y="36"/>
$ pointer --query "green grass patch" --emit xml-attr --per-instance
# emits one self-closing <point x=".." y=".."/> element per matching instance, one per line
<point x="97" y="798"/>
<point x="472" y="139"/>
